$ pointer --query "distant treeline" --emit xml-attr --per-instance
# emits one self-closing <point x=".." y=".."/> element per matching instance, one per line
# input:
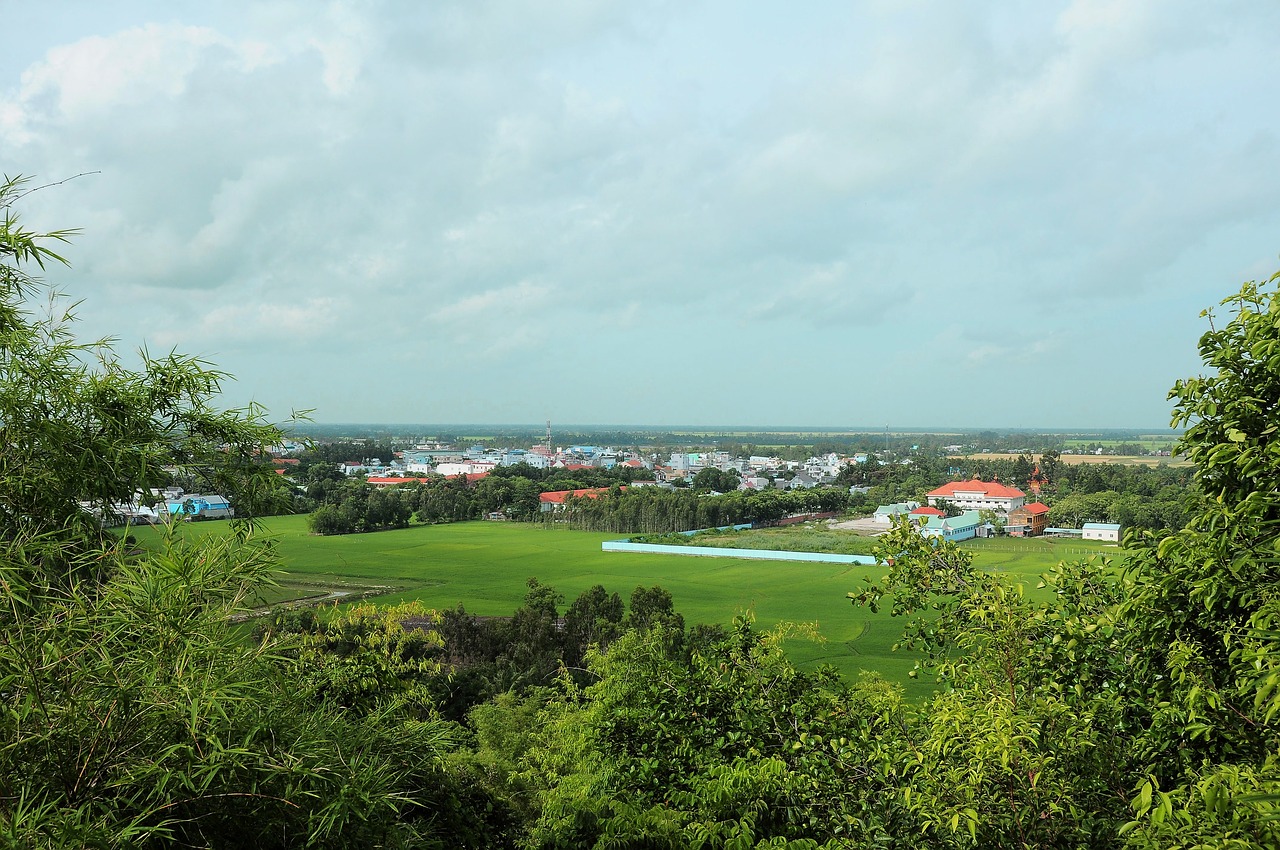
<point x="795" y="444"/>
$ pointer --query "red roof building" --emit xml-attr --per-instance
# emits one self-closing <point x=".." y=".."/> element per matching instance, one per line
<point x="1029" y="520"/>
<point x="975" y="495"/>
<point x="555" y="499"/>
<point x="392" y="480"/>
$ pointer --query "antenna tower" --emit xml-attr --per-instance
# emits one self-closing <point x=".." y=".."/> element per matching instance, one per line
<point x="548" y="438"/>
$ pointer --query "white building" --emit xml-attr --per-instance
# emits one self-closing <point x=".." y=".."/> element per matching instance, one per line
<point x="1109" y="531"/>
<point x="978" y="495"/>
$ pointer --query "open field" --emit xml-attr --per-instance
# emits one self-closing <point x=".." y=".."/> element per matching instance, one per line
<point x="1129" y="460"/>
<point x="485" y="567"/>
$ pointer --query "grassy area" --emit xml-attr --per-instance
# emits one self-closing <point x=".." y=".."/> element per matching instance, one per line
<point x="485" y="566"/>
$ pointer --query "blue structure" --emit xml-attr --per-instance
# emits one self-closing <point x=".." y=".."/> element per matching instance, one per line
<point x="201" y="507"/>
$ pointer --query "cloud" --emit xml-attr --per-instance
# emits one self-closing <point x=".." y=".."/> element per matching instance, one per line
<point x="511" y="183"/>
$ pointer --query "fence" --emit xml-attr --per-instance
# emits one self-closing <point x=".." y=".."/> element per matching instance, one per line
<point x="725" y="552"/>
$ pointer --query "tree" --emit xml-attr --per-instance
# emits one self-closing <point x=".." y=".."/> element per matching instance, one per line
<point x="1178" y="659"/>
<point x="135" y="712"/>
<point x="1206" y="601"/>
<point x="83" y="433"/>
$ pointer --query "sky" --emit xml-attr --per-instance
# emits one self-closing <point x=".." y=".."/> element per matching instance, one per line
<point x="824" y="214"/>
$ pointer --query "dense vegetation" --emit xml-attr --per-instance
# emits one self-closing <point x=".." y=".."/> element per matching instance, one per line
<point x="1139" y="709"/>
<point x="344" y="506"/>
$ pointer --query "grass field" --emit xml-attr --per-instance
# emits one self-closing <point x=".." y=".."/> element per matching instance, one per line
<point x="485" y="566"/>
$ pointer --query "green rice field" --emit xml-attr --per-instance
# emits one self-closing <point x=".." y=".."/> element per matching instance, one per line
<point x="485" y="566"/>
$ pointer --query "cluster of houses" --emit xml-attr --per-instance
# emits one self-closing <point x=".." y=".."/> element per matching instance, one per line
<point x="971" y="498"/>
<point x="756" y="472"/>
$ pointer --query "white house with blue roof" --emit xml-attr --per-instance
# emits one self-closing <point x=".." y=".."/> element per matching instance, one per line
<point x="1109" y="531"/>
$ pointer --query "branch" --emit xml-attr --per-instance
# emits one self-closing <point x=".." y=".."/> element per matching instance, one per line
<point x="22" y="195"/>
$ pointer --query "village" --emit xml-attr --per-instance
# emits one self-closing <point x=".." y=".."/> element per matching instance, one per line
<point x="954" y="511"/>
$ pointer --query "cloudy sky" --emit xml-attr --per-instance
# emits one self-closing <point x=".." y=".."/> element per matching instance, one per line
<point x="826" y="214"/>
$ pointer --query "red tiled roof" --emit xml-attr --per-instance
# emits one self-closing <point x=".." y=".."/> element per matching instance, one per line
<point x="993" y="489"/>
<point x="634" y="464"/>
<point x="927" y="511"/>
<point x="573" y="467"/>
<point x="1036" y="508"/>
<point x="472" y="477"/>
<point x="557" y="497"/>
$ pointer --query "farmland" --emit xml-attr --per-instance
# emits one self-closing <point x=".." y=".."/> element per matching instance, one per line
<point x="485" y="567"/>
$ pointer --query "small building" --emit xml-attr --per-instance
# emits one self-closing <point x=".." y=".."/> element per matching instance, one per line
<point x="554" y="501"/>
<point x="953" y="528"/>
<point x="885" y="513"/>
<point x="1030" y="520"/>
<point x="1109" y="531"/>
<point x="383" y="481"/>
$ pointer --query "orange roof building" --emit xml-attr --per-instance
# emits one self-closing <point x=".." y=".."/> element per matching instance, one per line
<point x="555" y="499"/>
<point x="1030" y="520"/>
<point x="975" y="495"/>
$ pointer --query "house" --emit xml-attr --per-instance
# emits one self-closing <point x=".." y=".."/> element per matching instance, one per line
<point x="952" y="528"/>
<point x="1101" y="531"/>
<point x="975" y="495"/>
<point x="802" y="481"/>
<point x="925" y="511"/>
<point x="381" y="482"/>
<point x="1030" y="520"/>
<point x="885" y="513"/>
<point x="448" y="470"/>
<point x="554" y="501"/>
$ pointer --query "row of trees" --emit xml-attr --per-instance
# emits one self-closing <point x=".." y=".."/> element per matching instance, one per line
<point x="651" y="510"/>
<point x="354" y="506"/>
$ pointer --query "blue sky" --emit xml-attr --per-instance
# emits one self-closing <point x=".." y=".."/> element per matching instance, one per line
<point x="834" y="214"/>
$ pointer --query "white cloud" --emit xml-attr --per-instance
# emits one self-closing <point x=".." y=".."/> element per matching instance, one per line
<point x="499" y="184"/>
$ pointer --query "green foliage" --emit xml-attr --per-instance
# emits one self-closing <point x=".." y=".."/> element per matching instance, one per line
<point x="652" y="510"/>
<point x="84" y="433"/>
<point x="138" y="716"/>
<point x="1155" y="692"/>
<point x="367" y="657"/>
<point x="135" y="714"/>
<point x="729" y="746"/>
